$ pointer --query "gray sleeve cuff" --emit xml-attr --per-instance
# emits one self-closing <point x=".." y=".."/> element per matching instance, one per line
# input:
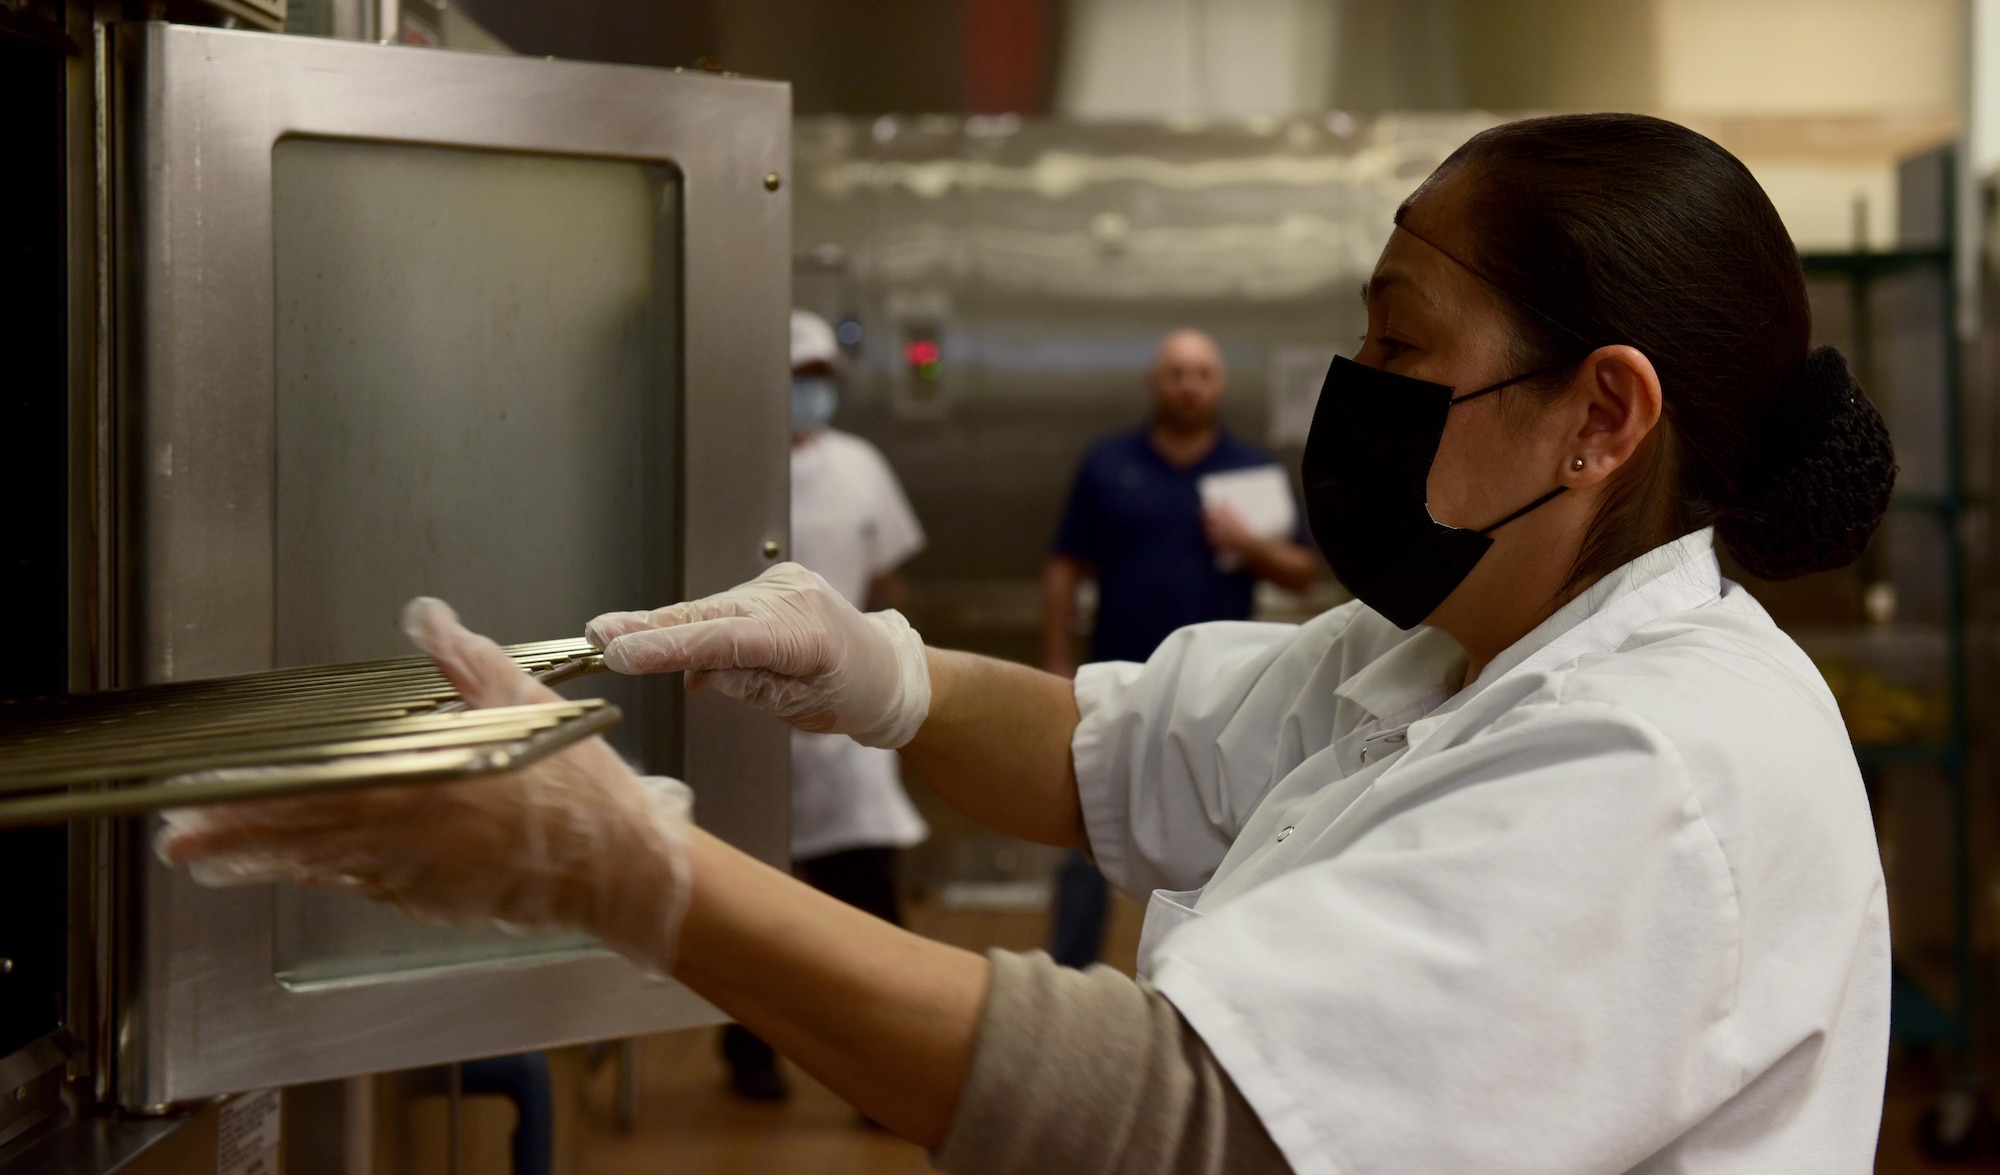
<point x="1088" y="1071"/>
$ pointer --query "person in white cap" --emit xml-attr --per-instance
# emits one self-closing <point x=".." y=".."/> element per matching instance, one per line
<point x="853" y="525"/>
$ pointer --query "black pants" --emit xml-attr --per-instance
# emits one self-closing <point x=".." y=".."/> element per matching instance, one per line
<point x="1083" y="903"/>
<point x="864" y="879"/>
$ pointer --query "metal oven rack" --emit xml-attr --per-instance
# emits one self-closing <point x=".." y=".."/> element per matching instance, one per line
<point x="284" y="732"/>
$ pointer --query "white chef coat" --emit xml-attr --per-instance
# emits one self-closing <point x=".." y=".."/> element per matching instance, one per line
<point x="850" y="523"/>
<point x="1614" y="906"/>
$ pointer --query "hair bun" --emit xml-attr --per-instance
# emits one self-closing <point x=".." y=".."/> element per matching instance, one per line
<point x="1827" y="468"/>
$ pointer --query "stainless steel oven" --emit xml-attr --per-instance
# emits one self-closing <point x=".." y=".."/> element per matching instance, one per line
<point x="377" y="322"/>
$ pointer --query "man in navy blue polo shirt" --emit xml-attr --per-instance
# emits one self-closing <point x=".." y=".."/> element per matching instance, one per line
<point x="1136" y="524"/>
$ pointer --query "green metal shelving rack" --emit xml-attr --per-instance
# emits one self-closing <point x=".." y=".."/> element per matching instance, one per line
<point x="1916" y="1018"/>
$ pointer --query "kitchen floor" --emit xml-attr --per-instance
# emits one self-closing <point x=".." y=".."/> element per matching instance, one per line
<point x="689" y="1124"/>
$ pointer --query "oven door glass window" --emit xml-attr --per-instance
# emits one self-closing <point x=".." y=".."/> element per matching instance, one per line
<point x="477" y="396"/>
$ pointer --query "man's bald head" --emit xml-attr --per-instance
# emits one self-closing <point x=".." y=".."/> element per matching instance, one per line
<point x="1186" y="381"/>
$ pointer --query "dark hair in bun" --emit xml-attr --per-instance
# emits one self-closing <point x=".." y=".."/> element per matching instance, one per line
<point x="1619" y="228"/>
<point x="1826" y="480"/>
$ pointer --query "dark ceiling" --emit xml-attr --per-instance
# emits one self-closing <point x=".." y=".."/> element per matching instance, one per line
<point x="841" y="56"/>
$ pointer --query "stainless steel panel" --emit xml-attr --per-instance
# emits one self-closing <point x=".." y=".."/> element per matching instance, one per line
<point x="208" y="1011"/>
<point x="92" y="1144"/>
<point x="1048" y="258"/>
<point x="466" y="356"/>
<point x="90" y="342"/>
<point x="474" y="379"/>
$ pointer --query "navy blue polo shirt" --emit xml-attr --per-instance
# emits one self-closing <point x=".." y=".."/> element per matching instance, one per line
<point x="1137" y="521"/>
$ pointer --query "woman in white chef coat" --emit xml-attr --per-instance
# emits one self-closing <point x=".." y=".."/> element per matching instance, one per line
<point x="1548" y="854"/>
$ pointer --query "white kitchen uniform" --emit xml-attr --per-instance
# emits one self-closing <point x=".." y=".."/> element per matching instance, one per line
<point x="1615" y="906"/>
<point x="850" y="523"/>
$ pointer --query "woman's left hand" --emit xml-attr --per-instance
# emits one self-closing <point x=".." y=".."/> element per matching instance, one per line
<point x="788" y="643"/>
<point x="575" y="840"/>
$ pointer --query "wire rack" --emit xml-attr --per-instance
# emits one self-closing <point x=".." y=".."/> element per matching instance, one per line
<point x="285" y="732"/>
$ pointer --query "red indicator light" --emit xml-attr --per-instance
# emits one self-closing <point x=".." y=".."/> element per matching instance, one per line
<point x="920" y="354"/>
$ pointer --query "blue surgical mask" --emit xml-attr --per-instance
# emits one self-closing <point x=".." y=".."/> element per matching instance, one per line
<point x="814" y="398"/>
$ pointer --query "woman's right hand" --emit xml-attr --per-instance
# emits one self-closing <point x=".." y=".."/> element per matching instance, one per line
<point x="572" y="840"/>
<point x="789" y="643"/>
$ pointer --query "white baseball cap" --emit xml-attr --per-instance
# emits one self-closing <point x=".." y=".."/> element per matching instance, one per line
<point x="812" y="341"/>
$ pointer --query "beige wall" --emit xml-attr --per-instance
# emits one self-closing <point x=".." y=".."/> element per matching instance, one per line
<point x="1771" y="58"/>
<point x="1819" y="97"/>
<point x="1810" y="57"/>
<point x="1166" y="58"/>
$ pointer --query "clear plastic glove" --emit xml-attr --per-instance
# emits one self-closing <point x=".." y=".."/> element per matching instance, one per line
<point x="574" y="840"/>
<point x="785" y="642"/>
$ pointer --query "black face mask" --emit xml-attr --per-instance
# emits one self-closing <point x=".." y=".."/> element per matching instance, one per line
<point x="1367" y="470"/>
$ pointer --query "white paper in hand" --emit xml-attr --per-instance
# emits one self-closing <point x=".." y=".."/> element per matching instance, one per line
<point x="1261" y="497"/>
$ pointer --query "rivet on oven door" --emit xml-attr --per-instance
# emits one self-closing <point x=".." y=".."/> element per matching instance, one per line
<point x="771" y="181"/>
<point x="771" y="548"/>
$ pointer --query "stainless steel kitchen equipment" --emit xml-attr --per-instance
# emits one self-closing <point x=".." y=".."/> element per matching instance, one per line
<point x="1001" y="283"/>
<point x="349" y="323"/>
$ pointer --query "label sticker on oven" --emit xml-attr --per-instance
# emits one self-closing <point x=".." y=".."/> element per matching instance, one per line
<point x="247" y="1133"/>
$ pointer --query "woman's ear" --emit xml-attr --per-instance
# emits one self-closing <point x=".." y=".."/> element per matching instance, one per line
<point x="1618" y="405"/>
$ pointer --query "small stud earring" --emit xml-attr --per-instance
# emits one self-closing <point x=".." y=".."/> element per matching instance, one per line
<point x="1576" y="466"/>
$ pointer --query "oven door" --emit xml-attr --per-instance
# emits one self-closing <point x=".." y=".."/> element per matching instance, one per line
<point x="510" y="332"/>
